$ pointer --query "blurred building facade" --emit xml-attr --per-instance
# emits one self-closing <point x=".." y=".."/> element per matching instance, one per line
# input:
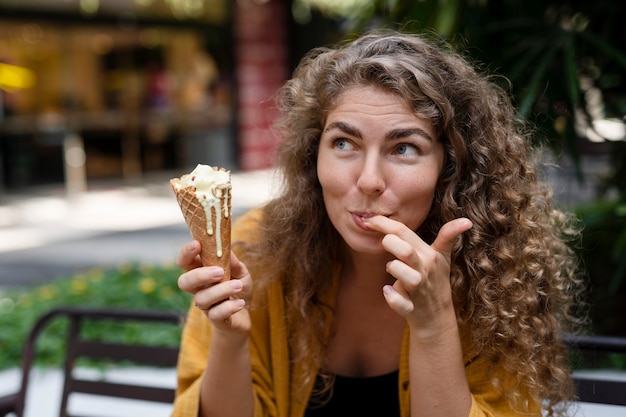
<point x="96" y="89"/>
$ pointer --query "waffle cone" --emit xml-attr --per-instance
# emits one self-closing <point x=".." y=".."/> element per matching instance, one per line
<point x="196" y="219"/>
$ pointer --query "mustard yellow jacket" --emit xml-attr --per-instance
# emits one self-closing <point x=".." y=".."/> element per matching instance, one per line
<point x="271" y="372"/>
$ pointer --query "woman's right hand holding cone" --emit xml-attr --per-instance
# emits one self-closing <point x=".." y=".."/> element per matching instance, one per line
<point x="225" y="303"/>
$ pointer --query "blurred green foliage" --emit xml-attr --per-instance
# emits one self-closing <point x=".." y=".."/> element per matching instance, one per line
<point x="603" y="251"/>
<point x="130" y="286"/>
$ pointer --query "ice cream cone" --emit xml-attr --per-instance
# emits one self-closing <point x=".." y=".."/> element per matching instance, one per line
<point x="213" y="233"/>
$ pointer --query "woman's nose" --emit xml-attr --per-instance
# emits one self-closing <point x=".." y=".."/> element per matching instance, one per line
<point x="371" y="178"/>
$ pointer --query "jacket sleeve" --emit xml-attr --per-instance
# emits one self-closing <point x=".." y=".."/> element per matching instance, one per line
<point x="486" y="401"/>
<point x="192" y="361"/>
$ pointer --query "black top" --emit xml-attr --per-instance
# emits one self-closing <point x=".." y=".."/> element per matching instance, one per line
<point x="370" y="396"/>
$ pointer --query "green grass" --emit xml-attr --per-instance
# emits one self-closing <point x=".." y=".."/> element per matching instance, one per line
<point x="131" y="286"/>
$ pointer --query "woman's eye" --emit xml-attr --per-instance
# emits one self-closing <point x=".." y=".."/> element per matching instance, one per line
<point x="406" y="149"/>
<point x="342" y="144"/>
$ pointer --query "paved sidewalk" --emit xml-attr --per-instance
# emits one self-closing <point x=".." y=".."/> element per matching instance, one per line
<point x="45" y="234"/>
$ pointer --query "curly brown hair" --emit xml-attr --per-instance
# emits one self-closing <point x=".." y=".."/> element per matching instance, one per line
<point x="514" y="275"/>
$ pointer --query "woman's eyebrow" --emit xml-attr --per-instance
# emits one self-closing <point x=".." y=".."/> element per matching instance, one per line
<point x="405" y="133"/>
<point x="346" y="128"/>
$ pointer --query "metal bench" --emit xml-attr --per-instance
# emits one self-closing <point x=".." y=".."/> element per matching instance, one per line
<point x="78" y="346"/>
<point x="596" y="387"/>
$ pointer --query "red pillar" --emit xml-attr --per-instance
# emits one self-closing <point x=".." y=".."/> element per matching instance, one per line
<point x="261" y="65"/>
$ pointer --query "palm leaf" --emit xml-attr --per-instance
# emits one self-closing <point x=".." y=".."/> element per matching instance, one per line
<point x="573" y="85"/>
<point x="536" y="81"/>
<point x="446" y="16"/>
<point x="605" y="47"/>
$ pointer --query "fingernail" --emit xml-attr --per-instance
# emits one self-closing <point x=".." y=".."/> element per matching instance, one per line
<point x="191" y="247"/>
<point x="236" y="284"/>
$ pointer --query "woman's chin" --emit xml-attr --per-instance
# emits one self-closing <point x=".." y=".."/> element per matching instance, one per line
<point x="367" y="248"/>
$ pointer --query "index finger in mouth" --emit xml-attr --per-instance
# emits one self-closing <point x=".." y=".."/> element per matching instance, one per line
<point x="385" y="225"/>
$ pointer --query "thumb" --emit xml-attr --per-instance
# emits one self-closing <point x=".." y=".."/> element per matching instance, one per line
<point x="448" y="234"/>
<point x="237" y="268"/>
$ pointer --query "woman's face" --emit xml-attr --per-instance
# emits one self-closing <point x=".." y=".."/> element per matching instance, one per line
<point x="376" y="157"/>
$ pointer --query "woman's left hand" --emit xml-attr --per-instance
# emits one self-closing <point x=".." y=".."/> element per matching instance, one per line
<point x="422" y="292"/>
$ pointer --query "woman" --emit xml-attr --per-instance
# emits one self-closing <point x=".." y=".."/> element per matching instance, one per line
<point x="412" y="257"/>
